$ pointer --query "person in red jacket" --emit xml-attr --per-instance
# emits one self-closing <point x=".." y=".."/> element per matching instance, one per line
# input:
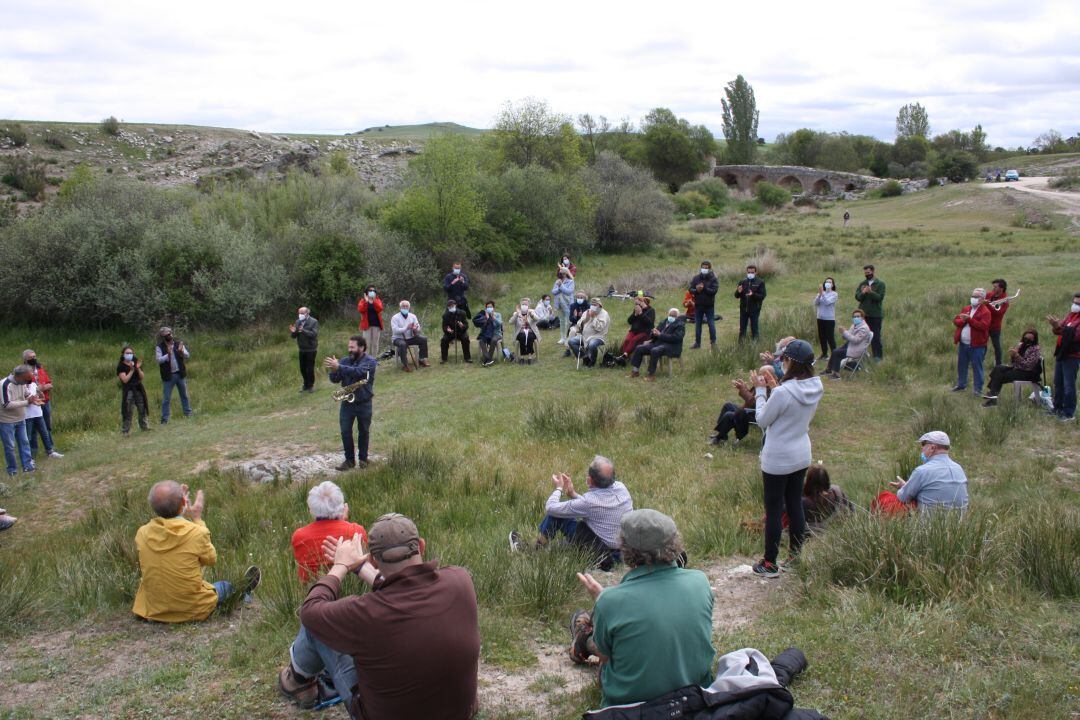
<point x="972" y="333"/>
<point x="997" y="315"/>
<point x="331" y="519"/>
<point x="370" y="308"/>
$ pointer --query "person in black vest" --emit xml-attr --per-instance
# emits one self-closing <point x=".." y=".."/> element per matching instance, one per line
<point x="306" y="332"/>
<point x="704" y="287"/>
<point x="455" y="326"/>
<point x="357" y="366"/>
<point x="456" y="283"/>
<point x="171" y="356"/>
<point x="132" y="393"/>
<point x="751" y="294"/>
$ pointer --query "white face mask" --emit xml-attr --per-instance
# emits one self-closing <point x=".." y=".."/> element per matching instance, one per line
<point x="1075" y="308"/>
<point x="489" y="310"/>
<point x="566" y="262"/>
<point x="704" y="271"/>
<point x="974" y="301"/>
<point x="451" y="308"/>
<point x="524" y="307"/>
<point x="457" y="271"/>
<point x="371" y="294"/>
<point x="671" y="318"/>
<point x="301" y="318"/>
<point x="547" y="303"/>
<point x="594" y="308"/>
<point x="828" y="286"/>
<point x="750" y="275"/>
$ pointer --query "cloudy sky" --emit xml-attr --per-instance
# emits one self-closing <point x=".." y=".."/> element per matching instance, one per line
<point x="332" y="67"/>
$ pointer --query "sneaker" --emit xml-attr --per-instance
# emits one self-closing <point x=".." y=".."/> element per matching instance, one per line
<point x="992" y="402"/>
<point x="55" y="454"/>
<point x="442" y="362"/>
<point x="345" y="466"/>
<point x="1066" y="418"/>
<point x="791" y="564"/>
<point x="468" y="360"/>
<point x="560" y="341"/>
<point x="695" y="346"/>
<point x="958" y="388"/>
<point x="567" y="353"/>
<point x="164" y="421"/>
<point x="516" y="542"/>
<point x="766" y="569"/>
<point x="488" y="363"/>
<point x="988" y="396"/>
<point x="717" y="440"/>
<point x="305" y="693"/>
<point x="252" y="578"/>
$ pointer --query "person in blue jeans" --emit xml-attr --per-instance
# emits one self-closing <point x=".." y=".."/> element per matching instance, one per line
<point x="172" y="358"/>
<point x="347" y="371"/>
<point x="703" y="287"/>
<point x="1066" y="359"/>
<point x="14" y="399"/>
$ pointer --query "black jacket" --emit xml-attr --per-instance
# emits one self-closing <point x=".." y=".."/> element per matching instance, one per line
<point x="577" y="310"/>
<point x="307" y="335"/>
<point x="757" y="287"/>
<point x="451" y="320"/>
<point x="706" y="297"/>
<point x="672" y="334"/>
<point x="642" y="323"/>
<point x="456" y="291"/>
<point x="166" y="367"/>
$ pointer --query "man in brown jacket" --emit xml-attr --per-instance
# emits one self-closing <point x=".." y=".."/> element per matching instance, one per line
<point x="414" y="640"/>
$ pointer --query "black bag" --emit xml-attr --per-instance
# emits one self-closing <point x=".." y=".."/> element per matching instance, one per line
<point x="609" y="360"/>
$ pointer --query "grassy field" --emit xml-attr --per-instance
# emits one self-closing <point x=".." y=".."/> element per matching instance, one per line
<point x="1055" y="164"/>
<point x="971" y="619"/>
<point x="417" y="132"/>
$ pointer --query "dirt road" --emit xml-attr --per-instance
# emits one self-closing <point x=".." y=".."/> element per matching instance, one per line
<point x="1069" y="202"/>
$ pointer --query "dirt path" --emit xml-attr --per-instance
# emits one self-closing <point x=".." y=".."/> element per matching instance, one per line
<point x="1067" y="202"/>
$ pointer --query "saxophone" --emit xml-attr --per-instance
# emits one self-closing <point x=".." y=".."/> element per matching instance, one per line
<point x="347" y="393"/>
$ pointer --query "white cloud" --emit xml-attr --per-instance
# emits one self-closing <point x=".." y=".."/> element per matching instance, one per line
<point x="1014" y="67"/>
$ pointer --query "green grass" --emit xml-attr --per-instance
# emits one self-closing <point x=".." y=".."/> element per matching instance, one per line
<point x="957" y="619"/>
<point x="1034" y="164"/>
<point x="417" y="132"/>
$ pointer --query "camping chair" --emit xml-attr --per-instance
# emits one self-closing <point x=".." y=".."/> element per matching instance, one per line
<point x="670" y="363"/>
<point x="854" y="365"/>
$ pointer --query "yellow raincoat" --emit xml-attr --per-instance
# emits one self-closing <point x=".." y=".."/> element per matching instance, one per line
<point x="172" y="552"/>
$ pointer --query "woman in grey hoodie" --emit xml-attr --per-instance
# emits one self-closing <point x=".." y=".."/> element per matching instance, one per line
<point x="784" y="416"/>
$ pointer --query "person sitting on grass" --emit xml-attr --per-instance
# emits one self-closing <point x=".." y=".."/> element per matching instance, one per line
<point x="652" y="631"/>
<point x="407" y="649"/>
<point x="173" y="548"/>
<point x="856" y="342"/>
<point x="666" y="341"/>
<point x="590" y="520"/>
<point x="642" y="321"/>
<point x="327" y="505"/>
<point x="738" y="418"/>
<point x="937" y="483"/>
<point x="1025" y="364"/>
<point x="821" y="499"/>
<point x="6" y="521"/>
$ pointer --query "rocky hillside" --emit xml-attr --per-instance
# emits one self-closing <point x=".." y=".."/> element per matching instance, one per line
<point x="172" y="155"/>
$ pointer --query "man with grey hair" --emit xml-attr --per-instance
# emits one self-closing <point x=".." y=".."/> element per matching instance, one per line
<point x="666" y="341"/>
<point x="15" y="397"/>
<point x="654" y="629"/>
<point x="306" y="333"/>
<point x="971" y="336"/>
<point x="327" y="505"/>
<point x="173" y="548"/>
<point x="405" y="329"/>
<point x="413" y="639"/>
<point x="589" y="520"/>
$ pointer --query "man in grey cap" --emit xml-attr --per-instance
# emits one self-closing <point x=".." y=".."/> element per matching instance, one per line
<point x="652" y="631"/>
<point x="938" y="483"/>
<point x="172" y="356"/>
<point x="413" y="641"/>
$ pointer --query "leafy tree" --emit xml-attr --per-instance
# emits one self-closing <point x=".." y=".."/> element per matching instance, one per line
<point x="740" y="121"/>
<point x="590" y="128"/>
<point x="530" y="132"/>
<point x="910" y="148"/>
<point x="110" y="126"/>
<point x="957" y="166"/>
<point x="674" y="150"/>
<point x="1050" y="141"/>
<point x="912" y="121"/>
<point x="632" y="210"/>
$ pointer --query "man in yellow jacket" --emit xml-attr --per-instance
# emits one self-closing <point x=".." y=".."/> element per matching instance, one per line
<point x="173" y="548"/>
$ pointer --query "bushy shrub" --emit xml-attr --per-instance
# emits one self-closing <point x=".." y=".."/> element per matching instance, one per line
<point x="715" y="189"/>
<point x="690" y="201"/>
<point x="891" y="188"/>
<point x="55" y="142"/>
<point x="772" y="196"/>
<point x="632" y="210"/>
<point x="957" y="166"/>
<point x="22" y="173"/>
<point x="15" y="134"/>
<point x="110" y="126"/>
<point x="1069" y="181"/>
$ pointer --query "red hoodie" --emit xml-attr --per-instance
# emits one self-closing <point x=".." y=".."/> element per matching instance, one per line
<point x="362" y="308"/>
<point x="979" y="323"/>
<point x="998" y="314"/>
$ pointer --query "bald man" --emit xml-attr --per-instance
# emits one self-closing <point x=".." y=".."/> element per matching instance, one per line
<point x="173" y="548"/>
<point x="306" y="332"/>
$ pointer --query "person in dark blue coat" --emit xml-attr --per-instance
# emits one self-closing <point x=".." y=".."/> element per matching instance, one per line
<point x="352" y="369"/>
<point x="456" y="284"/>
<point x="704" y="287"/>
<point x="667" y="341"/>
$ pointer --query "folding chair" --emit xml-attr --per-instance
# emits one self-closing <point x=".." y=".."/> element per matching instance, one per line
<point x="854" y="365"/>
<point x="670" y="362"/>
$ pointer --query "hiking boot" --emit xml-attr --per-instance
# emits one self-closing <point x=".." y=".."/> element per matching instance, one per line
<point x="991" y="402"/>
<point x="252" y="578"/>
<point x="515" y="541"/>
<point x="695" y="346"/>
<point x="424" y="362"/>
<point x="345" y="466"/>
<point x="717" y="440"/>
<point x="305" y="693"/>
<point x="581" y="629"/>
<point x="766" y="569"/>
<point x="634" y="374"/>
<point x="567" y="354"/>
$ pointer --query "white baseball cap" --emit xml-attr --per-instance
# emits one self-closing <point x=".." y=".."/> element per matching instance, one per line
<point x="937" y="438"/>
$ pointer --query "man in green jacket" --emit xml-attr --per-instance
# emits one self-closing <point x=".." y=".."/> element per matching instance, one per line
<point x="652" y="631"/>
<point x="871" y="295"/>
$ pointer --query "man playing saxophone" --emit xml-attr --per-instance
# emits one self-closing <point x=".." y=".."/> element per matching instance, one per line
<point x="357" y="366"/>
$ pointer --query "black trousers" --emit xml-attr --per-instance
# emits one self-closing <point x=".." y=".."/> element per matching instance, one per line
<point x="733" y="417"/>
<point x="995" y="340"/>
<point x="1002" y="374"/>
<point x="783" y="493"/>
<point x="875" y="327"/>
<point x="526" y="343"/>
<point x="307" y="367"/>
<point x="837" y="357"/>
<point x="826" y="332"/>
<point x="360" y="412"/>
<point x="461" y="336"/>
<point x="749" y="316"/>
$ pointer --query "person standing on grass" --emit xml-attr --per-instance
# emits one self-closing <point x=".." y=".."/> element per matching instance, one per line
<point x="666" y="341"/>
<point x="15" y="396"/>
<point x="847" y="218"/>
<point x="704" y="287"/>
<point x="172" y="358"/>
<point x="1025" y="365"/>
<point x="825" y="309"/>
<point x="44" y="386"/>
<point x="490" y="323"/>
<point x="784" y="416"/>
<point x="652" y="631"/>
<point x="456" y="284"/>
<point x="997" y="315"/>
<point x="563" y="292"/>
<point x="306" y="333"/>
<point x="1066" y="360"/>
<point x="751" y="294"/>
<point x="132" y="393"/>
<point x="173" y="548"/>
<point x="370" y="308"/>
<point x="347" y="371"/>
<point x="413" y="638"/>
<point x="937" y="483"/>
<point x="871" y="296"/>
<point x="971" y="335"/>
<point x="35" y="425"/>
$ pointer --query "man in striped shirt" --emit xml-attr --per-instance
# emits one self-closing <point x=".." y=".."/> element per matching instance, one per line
<point x="591" y="519"/>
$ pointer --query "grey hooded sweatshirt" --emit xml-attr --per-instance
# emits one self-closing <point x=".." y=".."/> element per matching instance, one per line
<point x="785" y="418"/>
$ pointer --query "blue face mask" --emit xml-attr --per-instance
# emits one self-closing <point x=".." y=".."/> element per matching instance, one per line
<point x="856" y="321"/>
<point x="922" y="457"/>
<point x="404" y="312"/>
<point x="489" y="310"/>
<point x="670" y="319"/>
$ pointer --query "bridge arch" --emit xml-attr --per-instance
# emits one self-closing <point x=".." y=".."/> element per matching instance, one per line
<point x="791" y="183"/>
<point x="730" y="179"/>
<point x="755" y="180"/>
<point x="822" y="187"/>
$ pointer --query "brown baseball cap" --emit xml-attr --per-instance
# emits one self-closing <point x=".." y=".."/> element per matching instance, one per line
<point x="393" y="538"/>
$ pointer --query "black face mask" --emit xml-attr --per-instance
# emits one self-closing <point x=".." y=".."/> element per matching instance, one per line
<point x="32" y="362"/>
<point x="167" y="338"/>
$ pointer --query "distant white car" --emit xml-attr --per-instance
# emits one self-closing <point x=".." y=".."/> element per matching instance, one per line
<point x="1012" y="175"/>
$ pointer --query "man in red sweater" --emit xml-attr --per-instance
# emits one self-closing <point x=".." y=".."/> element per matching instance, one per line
<point x="997" y="315"/>
<point x="972" y="333"/>
<point x="327" y="505"/>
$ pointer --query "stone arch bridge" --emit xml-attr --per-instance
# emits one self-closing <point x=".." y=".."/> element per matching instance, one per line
<point x="799" y="180"/>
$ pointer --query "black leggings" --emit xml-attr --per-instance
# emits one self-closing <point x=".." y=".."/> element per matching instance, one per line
<point x="783" y="492"/>
<point x="733" y="417"/>
<point x="826" y="332"/>
<point x="1002" y="374"/>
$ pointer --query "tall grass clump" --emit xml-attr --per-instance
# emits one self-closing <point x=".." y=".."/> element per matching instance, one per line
<point x="557" y="419"/>
<point x="1048" y="550"/>
<point x="940" y="411"/>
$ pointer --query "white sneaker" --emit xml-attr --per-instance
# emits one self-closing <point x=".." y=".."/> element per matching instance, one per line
<point x="55" y="454"/>
<point x="560" y="341"/>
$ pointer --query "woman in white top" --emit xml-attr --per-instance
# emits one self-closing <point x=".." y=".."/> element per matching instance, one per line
<point x="825" y="305"/>
<point x="35" y="426"/>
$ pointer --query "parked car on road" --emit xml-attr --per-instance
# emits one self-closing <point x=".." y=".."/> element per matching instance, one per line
<point x="1012" y="175"/>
